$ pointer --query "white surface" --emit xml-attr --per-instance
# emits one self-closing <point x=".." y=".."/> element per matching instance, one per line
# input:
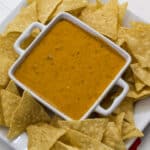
<point x="142" y="116"/>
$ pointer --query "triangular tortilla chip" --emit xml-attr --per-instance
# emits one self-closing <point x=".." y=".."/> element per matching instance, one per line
<point x="43" y="136"/>
<point x="70" y="5"/>
<point x="61" y="146"/>
<point x="127" y="107"/>
<point x="45" y="8"/>
<point x="28" y="112"/>
<point x="91" y="127"/>
<point x="82" y="141"/>
<point x="142" y="73"/>
<point x="9" y="103"/>
<point x="130" y="131"/>
<point x="11" y="87"/>
<point x="27" y="16"/>
<point x="122" y="12"/>
<point x="112" y="137"/>
<point x="104" y="21"/>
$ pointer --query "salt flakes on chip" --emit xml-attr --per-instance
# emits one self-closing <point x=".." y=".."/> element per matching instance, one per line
<point x="104" y="21"/>
<point x="28" y="112"/>
<point x="9" y="103"/>
<point x="46" y="8"/>
<point x="82" y="141"/>
<point x="91" y="127"/>
<point x="43" y="136"/>
<point x="27" y="16"/>
<point x="112" y="137"/>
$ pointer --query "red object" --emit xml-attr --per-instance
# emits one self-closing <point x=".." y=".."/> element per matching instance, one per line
<point x="135" y="144"/>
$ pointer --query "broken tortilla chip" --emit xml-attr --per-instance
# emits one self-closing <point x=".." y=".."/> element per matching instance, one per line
<point x="91" y="127"/>
<point x="43" y="136"/>
<point x="28" y="112"/>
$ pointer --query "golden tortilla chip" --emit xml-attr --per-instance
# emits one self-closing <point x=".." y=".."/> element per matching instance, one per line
<point x="130" y="131"/>
<point x="138" y="43"/>
<point x="127" y="107"/>
<point x="9" y="103"/>
<point x="142" y="73"/>
<point x="28" y="112"/>
<point x="5" y="64"/>
<point x="12" y="87"/>
<point x="43" y="136"/>
<point x="30" y="1"/>
<point x="61" y="146"/>
<point x="82" y="141"/>
<point x="70" y="5"/>
<point x="139" y="85"/>
<point x="104" y="20"/>
<point x="128" y="76"/>
<point x="27" y="16"/>
<point x="91" y="127"/>
<point x="46" y="8"/>
<point x="140" y="26"/>
<point x="112" y="137"/>
<point x="54" y="120"/>
<point x="122" y="12"/>
<point x="6" y="45"/>
<point x="145" y="92"/>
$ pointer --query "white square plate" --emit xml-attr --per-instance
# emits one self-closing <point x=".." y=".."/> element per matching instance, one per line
<point x="141" y="112"/>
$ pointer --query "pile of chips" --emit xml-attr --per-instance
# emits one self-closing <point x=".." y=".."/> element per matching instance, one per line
<point x="19" y="112"/>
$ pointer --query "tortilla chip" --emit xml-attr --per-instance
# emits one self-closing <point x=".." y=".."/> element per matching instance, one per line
<point x="5" y="64"/>
<point x="140" y="25"/>
<point x="27" y="16"/>
<point x="112" y="137"/>
<point x="91" y="127"/>
<point x="145" y="92"/>
<point x="139" y="85"/>
<point x="128" y="76"/>
<point x="28" y="112"/>
<point x="104" y="20"/>
<point x="6" y="45"/>
<point x="142" y="73"/>
<point x="127" y="107"/>
<point x="9" y="103"/>
<point x="138" y="43"/>
<point x="30" y="1"/>
<point x="43" y="136"/>
<point x="130" y="131"/>
<point x="61" y="146"/>
<point x="82" y="141"/>
<point x="46" y="8"/>
<point x="12" y="87"/>
<point x="70" y="5"/>
<point x="122" y="12"/>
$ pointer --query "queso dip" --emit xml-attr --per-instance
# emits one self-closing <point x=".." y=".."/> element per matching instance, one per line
<point x="70" y="69"/>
